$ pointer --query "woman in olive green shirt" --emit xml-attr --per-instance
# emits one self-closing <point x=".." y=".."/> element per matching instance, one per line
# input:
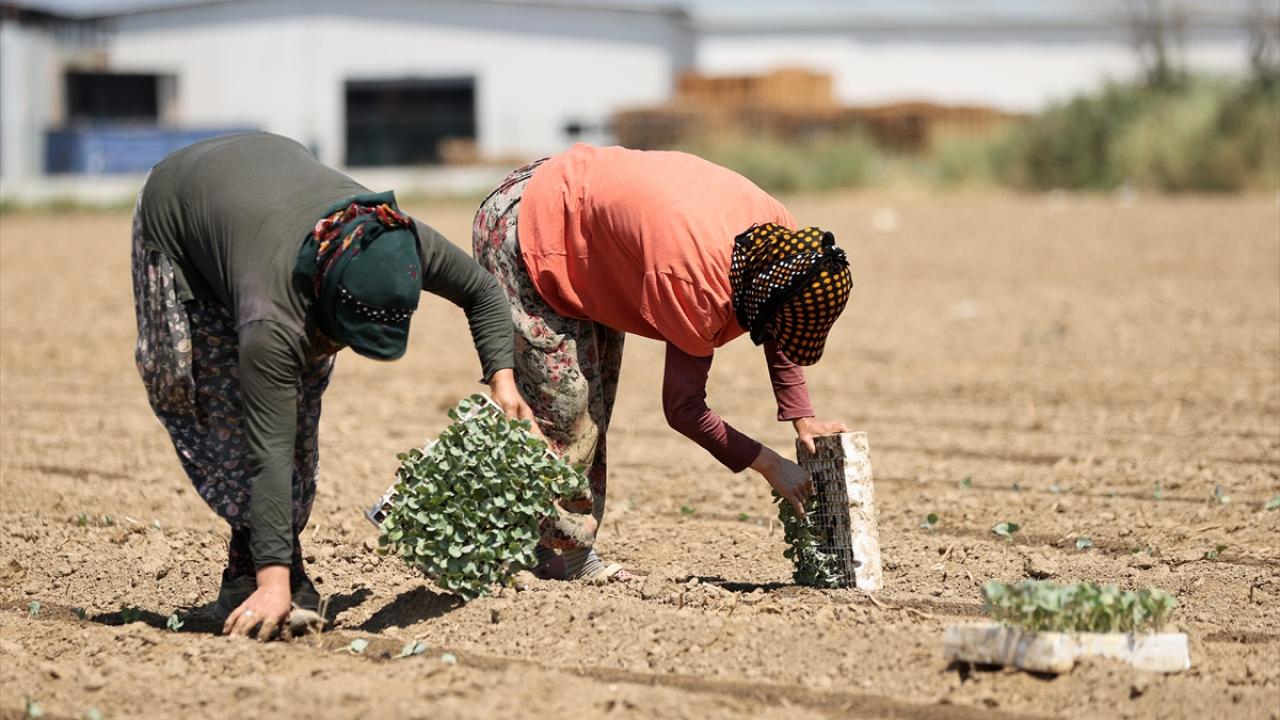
<point x="253" y="264"/>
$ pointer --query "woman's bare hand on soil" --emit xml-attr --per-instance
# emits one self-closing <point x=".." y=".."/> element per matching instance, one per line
<point x="266" y="609"/>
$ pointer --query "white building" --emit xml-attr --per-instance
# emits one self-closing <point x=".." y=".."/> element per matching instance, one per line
<point x="381" y="82"/>
<point x="366" y="83"/>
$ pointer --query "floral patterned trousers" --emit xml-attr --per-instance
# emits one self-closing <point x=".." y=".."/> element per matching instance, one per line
<point x="566" y="369"/>
<point x="187" y="355"/>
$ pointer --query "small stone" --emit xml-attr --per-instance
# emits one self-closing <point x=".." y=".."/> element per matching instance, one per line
<point x="1139" y="686"/>
<point x="63" y="569"/>
<point x="1142" y="561"/>
<point x="93" y="681"/>
<point x="370" y="544"/>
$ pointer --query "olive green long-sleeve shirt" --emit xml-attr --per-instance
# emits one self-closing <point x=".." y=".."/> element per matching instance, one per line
<point x="231" y="213"/>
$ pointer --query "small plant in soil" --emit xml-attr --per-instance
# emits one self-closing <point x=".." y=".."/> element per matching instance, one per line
<point x="33" y="610"/>
<point x="930" y="521"/>
<point x="469" y="508"/>
<point x="687" y="510"/>
<point x="1273" y="503"/>
<point x="130" y="614"/>
<point x="967" y="482"/>
<point x="1084" y="543"/>
<point x="813" y="567"/>
<point x="79" y="612"/>
<point x="1220" y="496"/>
<point x="411" y="648"/>
<point x="1044" y="606"/>
<point x="1006" y="529"/>
<point x="1215" y="552"/>
<point x="33" y="709"/>
<point x="174" y="623"/>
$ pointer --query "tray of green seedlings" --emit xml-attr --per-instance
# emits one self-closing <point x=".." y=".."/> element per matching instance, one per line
<point x="467" y="508"/>
<point x="1044" y="627"/>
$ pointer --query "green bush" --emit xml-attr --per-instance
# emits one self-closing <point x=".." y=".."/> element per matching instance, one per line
<point x="822" y="162"/>
<point x="1201" y="135"/>
<point x="467" y="509"/>
<point x="1042" y="606"/>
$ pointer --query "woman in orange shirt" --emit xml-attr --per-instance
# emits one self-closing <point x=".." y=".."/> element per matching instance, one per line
<point x="669" y="246"/>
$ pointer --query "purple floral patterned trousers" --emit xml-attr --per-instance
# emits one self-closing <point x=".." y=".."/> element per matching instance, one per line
<point x="566" y="369"/>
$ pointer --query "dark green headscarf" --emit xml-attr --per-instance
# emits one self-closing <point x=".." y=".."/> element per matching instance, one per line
<point x="362" y="267"/>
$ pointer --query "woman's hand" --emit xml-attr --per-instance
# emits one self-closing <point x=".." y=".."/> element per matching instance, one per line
<point x="268" y="606"/>
<point x="787" y="478"/>
<point x="503" y="390"/>
<point x="808" y="428"/>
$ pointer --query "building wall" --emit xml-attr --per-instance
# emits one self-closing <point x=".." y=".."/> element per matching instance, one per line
<point x="32" y="56"/>
<point x="1021" y="70"/>
<point x="282" y="64"/>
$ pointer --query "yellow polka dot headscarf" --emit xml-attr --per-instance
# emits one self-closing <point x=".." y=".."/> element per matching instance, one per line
<point x="789" y="285"/>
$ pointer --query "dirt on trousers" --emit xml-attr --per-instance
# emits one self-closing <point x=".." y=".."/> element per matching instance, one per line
<point x="1083" y="366"/>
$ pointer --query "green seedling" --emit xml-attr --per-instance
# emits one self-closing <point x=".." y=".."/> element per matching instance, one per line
<point x="812" y="566"/>
<point x="687" y="510"/>
<point x="79" y="613"/>
<point x="468" y="510"/>
<point x="108" y="521"/>
<point x="174" y="623"/>
<point x="743" y="517"/>
<point x="1017" y="487"/>
<point x="33" y="709"/>
<point x="414" y="647"/>
<point x="967" y="482"/>
<point x="82" y="519"/>
<point x="449" y="659"/>
<point x="355" y="647"/>
<point x="92" y="714"/>
<point x="1043" y="606"/>
<point x="1215" y="552"/>
<point x="930" y="521"/>
<point x="1220" y="495"/>
<point x="130" y="614"/>
<point x="33" y="610"/>
<point x="1083" y="543"/>
<point x="1006" y="529"/>
<point x="1055" y="489"/>
<point x="1159" y="492"/>
<point x="1273" y="503"/>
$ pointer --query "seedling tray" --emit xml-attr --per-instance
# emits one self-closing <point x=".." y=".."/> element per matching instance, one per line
<point x="1057" y="652"/>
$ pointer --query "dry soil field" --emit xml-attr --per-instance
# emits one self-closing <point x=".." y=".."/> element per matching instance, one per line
<point x="1095" y="368"/>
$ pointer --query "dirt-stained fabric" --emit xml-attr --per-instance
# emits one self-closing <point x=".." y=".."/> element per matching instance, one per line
<point x="566" y="369"/>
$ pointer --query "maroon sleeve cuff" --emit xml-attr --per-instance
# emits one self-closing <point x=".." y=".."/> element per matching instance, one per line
<point x="789" y="388"/>
<point x="684" y="401"/>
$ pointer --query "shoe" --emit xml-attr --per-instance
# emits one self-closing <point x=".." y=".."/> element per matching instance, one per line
<point x="233" y="592"/>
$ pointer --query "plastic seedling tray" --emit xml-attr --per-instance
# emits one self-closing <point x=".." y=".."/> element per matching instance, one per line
<point x="1058" y="652"/>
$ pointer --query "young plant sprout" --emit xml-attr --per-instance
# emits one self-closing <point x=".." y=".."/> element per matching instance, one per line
<point x="813" y="567"/>
<point x="1006" y="529"/>
<point x="1043" y="606"/>
<point x="930" y="521"/>
<point x="468" y="509"/>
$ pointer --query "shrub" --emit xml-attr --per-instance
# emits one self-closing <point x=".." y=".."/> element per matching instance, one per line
<point x="467" y="508"/>
<point x="1043" y="606"/>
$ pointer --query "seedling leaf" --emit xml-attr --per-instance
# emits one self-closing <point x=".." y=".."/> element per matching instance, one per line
<point x="687" y="510"/>
<point x="130" y="614"/>
<point x="930" y="521"/>
<point x="967" y="482"/>
<point x="1006" y="529"/>
<point x="174" y="623"/>
<point x="1042" y="606"/>
<point x="33" y="610"/>
<point x="1083" y="542"/>
<point x="1273" y="503"/>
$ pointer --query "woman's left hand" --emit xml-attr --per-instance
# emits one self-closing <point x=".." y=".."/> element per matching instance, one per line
<point x="808" y="428"/>
<point x="503" y="390"/>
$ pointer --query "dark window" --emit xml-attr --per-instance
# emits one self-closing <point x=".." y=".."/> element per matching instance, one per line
<point x="402" y="122"/>
<point x="112" y="96"/>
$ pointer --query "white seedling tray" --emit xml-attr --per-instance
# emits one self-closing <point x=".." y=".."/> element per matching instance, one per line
<point x="1053" y="652"/>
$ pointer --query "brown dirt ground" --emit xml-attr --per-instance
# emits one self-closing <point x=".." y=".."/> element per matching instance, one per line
<point x="1068" y="354"/>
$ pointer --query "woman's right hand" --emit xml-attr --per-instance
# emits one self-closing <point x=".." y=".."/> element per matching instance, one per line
<point x="268" y="606"/>
<point x="787" y="478"/>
